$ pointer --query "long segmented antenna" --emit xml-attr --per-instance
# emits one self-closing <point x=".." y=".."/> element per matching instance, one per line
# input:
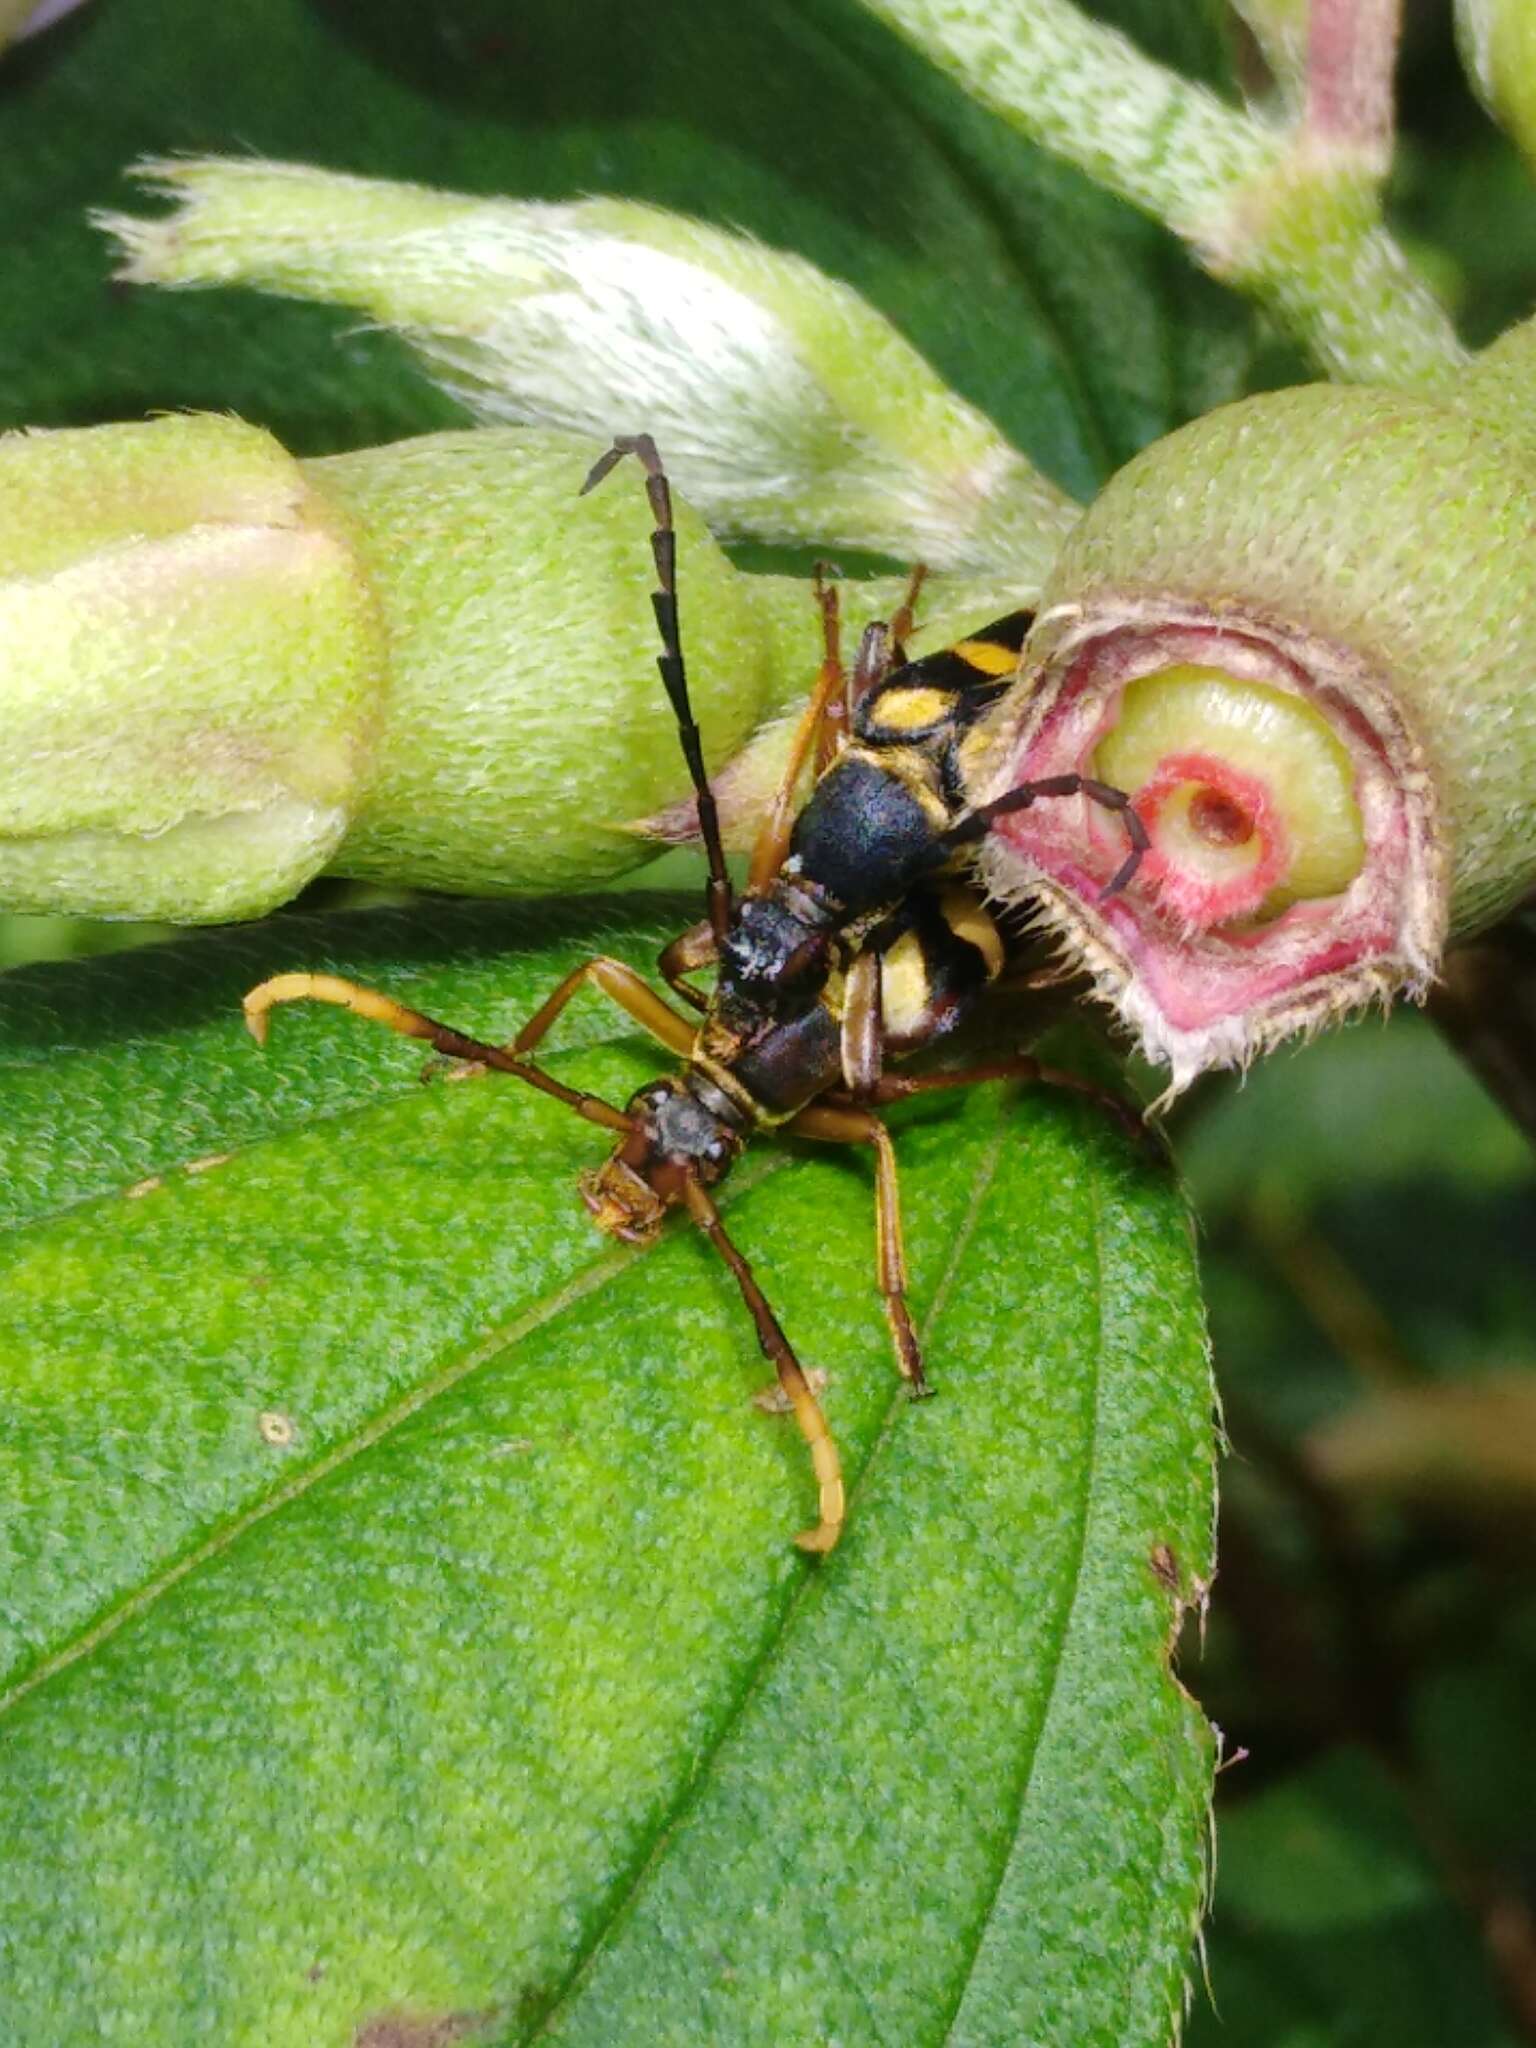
<point x="975" y="823"/>
<point x="670" y="660"/>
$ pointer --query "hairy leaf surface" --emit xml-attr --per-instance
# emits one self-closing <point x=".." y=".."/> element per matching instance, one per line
<point x="401" y="1627"/>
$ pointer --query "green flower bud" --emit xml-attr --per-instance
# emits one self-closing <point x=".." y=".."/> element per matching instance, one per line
<point x="1498" y="47"/>
<point x="1302" y="633"/>
<point x="788" y="408"/>
<point x="190" y="665"/>
<point x="526" y="728"/>
<point x="223" y="671"/>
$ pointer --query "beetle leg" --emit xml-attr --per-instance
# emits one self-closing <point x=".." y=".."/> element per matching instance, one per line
<point x="974" y="824"/>
<point x="816" y="733"/>
<point x="905" y="612"/>
<point x="854" y="1126"/>
<point x="621" y="985"/>
<point x="1021" y="1067"/>
<point x="696" y="947"/>
<point x="797" y="1391"/>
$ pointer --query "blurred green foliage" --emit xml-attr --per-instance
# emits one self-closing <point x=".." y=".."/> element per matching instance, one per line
<point x="1368" y="1220"/>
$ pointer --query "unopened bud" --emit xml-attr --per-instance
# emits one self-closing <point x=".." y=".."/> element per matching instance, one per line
<point x="1498" y="47"/>
<point x="190" y="665"/>
<point x="1301" y="634"/>
<point x="223" y="671"/>
<point x="789" y="409"/>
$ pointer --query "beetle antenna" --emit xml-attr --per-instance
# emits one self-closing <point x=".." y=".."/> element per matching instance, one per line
<point x="670" y="661"/>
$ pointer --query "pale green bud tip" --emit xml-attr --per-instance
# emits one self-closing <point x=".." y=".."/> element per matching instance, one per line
<point x="186" y="654"/>
<point x="789" y="408"/>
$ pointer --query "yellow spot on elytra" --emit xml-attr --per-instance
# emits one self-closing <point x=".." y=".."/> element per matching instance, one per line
<point x="968" y="920"/>
<point x="905" y="988"/>
<point x="910" y="710"/>
<point x="986" y="655"/>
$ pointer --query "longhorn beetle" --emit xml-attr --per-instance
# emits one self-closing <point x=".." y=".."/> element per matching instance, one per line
<point x="856" y="936"/>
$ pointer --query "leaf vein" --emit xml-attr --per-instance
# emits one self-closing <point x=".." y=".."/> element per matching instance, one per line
<point x="605" y="1267"/>
<point x="691" y="1791"/>
<point x="1058" y="1647"/>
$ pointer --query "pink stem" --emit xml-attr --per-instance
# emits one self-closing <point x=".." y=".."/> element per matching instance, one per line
<point x="1351" y="49"/>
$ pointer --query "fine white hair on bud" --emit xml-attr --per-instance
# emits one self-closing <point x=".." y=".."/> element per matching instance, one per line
<point x="790" y="410"/>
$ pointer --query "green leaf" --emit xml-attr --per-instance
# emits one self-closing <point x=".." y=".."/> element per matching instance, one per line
<point x="405" y="1643"/>
<point x="1082" y="329"/>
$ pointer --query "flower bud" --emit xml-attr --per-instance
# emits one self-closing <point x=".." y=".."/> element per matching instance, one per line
<point x="1498" y="47"/>
<point x="1301" y="633"/>
<point x="223" y="671"/>
<point x="525" y="726"/>
<point x="190" y="666"/>
<point x="788" y="408"/>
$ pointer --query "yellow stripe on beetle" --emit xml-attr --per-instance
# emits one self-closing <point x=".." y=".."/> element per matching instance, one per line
<point x="906" y="989"/>
<point x="969" y="920"/>
<point x="911" y="710"/>
<point x="987" y="656"/>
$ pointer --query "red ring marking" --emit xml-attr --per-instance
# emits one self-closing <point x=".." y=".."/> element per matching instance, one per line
<point x="1193" y="901"/>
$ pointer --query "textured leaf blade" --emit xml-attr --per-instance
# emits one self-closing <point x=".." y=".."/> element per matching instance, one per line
<point x="488" y="1685"/>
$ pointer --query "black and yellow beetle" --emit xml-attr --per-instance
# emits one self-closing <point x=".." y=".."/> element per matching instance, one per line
<point x="857" y="935"/>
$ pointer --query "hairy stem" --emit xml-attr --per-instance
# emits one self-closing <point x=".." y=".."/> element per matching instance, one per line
<point x="1351" y="49"/>
<point x="1283" y="214"/>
